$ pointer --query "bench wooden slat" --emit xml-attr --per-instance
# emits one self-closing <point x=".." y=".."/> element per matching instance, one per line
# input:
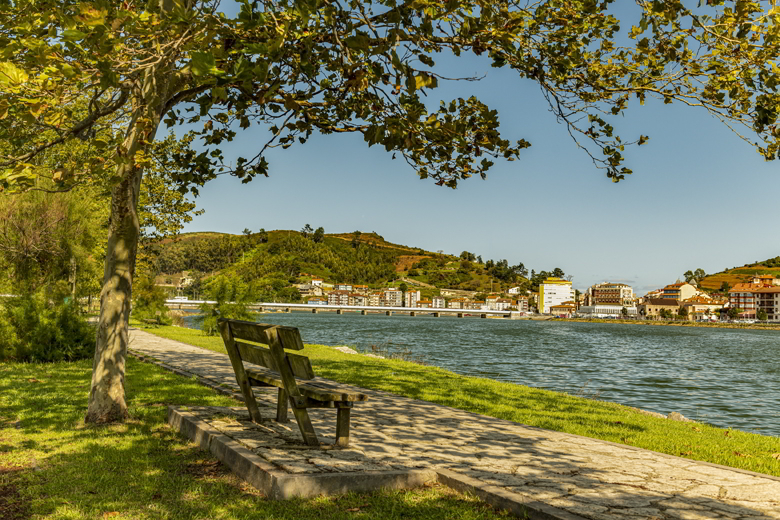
<point x="301" y="366"/>
<point x="319" y="390"/>
<point x="257" y="332"/>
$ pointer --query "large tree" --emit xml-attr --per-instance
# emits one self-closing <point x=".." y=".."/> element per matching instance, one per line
<point x="74" y="69"/>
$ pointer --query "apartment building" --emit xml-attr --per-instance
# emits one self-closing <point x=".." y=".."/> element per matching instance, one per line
<point x="768" y="299"/>
<point x="411" y="298"/>
<point x="392" y="297"/>
<point x="608" y="293"/>
<point x="375" y="298"/>
<point x="521" y="304"/>
<point x="679" y="291"/>
<point x="554" y="291"/>
<point x="338" y="297"/>
<point x="742" y="296"/>
<point x="439" y="302"/>
<point x="342" y="287"/>
<point x="358" y="299"/>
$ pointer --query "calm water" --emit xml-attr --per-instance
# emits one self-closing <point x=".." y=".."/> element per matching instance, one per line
<point x="720" y="376"/>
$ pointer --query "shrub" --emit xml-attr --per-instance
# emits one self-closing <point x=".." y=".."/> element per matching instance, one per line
<point x="232" y="296"/>
<point x="39" y="329"/>
<point x="149" y="302"/>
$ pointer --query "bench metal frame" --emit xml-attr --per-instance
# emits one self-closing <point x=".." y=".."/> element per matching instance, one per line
<point x="282" y="370"/>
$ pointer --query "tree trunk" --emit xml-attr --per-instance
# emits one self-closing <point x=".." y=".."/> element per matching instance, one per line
<point x="107" y="394"/>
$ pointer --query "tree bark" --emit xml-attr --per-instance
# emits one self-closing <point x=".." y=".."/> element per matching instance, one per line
<point x="107" y="394"/>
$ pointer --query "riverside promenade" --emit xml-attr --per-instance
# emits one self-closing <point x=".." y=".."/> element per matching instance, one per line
<point x="512" y="466"/>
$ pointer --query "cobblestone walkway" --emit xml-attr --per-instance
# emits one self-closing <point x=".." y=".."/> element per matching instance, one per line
<point x="585" y="477"/>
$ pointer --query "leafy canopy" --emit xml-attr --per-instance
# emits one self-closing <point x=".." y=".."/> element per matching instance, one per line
<point x="90" y="70"/>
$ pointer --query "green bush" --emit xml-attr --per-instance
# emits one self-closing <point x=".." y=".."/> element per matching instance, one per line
<point x="232" y="296"/>
<point x="37" y="328"/>
<point x="149" y="302"/>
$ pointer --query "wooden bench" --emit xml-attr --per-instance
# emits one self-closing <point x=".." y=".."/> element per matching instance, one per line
<point x="291" y="373"/>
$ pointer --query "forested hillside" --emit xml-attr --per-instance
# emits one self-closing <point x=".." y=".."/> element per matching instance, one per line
<point x="271" y="262"/>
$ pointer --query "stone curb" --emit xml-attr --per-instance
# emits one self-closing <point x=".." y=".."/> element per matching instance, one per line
<point x="279" y="485"/>
<point x="517" y="504"/>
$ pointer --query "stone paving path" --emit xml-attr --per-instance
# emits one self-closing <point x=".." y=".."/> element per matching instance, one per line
<point x="589" y="478"/>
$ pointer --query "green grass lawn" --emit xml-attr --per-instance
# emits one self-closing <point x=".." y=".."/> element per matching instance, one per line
<point x="532" y="406"/>
<point x="53" y="466"/>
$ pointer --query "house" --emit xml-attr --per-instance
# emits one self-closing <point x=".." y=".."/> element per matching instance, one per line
<point x="338" y="298"/>
<point x="651" y="308"/>
<point x="424" y="304"/>
<point x="439" y="302"/>
<point x="360" y="289"/>
<point x="503" y="304"/>
<point x="490" y="301"/>
<point x="458" y="303"/>
<point x="411" y="298"/>
<point x="515" y="290"/>
<point x="764" y="279"/>
<point x="307" y="289"/>
<point x="563" y="310"/>
<point x="476" y="305"/>
<point x="317" y="282"/>
<point x="317" y="301"/>
<point x="554" y="291"/>
<point x="700" y="308"/>
<point x="521" y="304"/>
<point x="342" y="287"/>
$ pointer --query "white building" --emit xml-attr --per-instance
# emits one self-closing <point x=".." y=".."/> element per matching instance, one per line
<point x="554" y="291"/>
<point x="606" y="311"/>
<point x="439" y="302"/>
<point x="392" y="297"/>
<point x="411" y="298"/>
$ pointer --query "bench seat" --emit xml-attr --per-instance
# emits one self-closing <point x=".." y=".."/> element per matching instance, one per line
<point x="318" y="389"/>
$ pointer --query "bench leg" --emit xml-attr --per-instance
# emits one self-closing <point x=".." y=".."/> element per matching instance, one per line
<point x="342" y="426"/>
<point x="304" y="423"/>
<point x="281" y="406"/>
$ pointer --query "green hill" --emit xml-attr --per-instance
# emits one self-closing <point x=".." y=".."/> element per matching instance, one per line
<point x="742" y="274"/>
<point x="273" y="261"/>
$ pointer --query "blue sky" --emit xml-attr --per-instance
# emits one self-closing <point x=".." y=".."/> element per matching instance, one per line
<point x="699" y="196"/>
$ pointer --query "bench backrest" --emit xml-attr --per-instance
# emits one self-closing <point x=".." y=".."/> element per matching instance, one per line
<point x="236" y="333"/>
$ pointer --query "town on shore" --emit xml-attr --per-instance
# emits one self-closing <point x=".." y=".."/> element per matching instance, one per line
<point x="757" y="299"/>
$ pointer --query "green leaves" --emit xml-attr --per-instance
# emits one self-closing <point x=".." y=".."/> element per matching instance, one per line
<point x="203" y="63"/>
<point x="12" y="76"/>
<point x="73" y="35"/>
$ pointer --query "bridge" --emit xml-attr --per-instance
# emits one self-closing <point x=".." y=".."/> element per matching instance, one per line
<point x="342" y="309"/>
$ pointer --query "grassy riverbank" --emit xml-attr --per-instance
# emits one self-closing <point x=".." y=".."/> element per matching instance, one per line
<point x="531" y="406"/>
<point x="53" y="466"/>
<point x="676" y="323"/>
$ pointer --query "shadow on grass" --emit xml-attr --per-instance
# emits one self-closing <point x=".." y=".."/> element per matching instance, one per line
<point x="143" y="469"/>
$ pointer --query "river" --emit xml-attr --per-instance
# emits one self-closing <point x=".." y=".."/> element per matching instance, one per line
<point x="725" y="377"/>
